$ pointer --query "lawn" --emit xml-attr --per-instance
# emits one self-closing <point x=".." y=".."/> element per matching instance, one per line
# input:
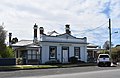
<point x="22" y="67"/>
<point x="25" y="67"/>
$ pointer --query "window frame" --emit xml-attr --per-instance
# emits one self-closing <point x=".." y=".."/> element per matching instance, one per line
<point x="79" y="56"/>
<point x="33" y="56"/>
<point x="55" y="52"/>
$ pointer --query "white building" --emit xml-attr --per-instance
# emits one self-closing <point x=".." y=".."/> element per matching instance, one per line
<point x="48" y="47"/>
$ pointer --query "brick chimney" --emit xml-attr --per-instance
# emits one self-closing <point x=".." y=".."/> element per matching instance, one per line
<point x="67" y="28"/>
<point x="35" y="33"/>
<point x="41" y="30"/>
<point x="10" y="39"/>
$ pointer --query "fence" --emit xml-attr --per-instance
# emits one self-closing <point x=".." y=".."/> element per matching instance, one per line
<point x="7" y="61"/>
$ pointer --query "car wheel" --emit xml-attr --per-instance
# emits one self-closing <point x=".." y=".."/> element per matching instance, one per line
<point x="108" y="64"/>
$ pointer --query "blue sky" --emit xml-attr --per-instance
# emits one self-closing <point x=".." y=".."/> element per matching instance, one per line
<point x="88" y="18"/>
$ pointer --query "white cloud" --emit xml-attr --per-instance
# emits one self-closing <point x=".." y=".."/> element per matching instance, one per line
<point x="82" y="15"/>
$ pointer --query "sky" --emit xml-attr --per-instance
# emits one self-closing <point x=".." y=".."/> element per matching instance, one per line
<point x="87" y="18"/>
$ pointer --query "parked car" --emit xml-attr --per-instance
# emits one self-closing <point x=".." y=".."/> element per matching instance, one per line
<point x="104" y="60"/>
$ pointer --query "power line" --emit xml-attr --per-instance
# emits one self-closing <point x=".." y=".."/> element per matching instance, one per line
<point x="96" y="28"/>
<point x="90" y="30"/>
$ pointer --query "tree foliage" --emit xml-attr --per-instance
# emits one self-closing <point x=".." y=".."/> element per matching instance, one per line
<point x="107" y="45"/>
<point x="5" y="52"/>
<point x="104" y="52"/>
<point x="14" y="40"/>
<point x="116" y="53"/>
<point x="2" y="35"/>
<point x="2" y="41"/>
<point x="8" y="53"/>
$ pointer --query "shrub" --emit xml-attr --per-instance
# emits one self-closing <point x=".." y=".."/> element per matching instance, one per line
<point x="19" y="61"/>
<point x="51" y="62"/>
<point x="79" y="61"/>
<point x="73" y="59"/>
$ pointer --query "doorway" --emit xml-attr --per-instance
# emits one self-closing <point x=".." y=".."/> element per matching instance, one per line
<point x="65" y="54"/>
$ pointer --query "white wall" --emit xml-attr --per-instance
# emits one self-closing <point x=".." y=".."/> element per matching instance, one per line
<point x="71" y="51"/>
<point x="59" y="52"/>
<point x="45" y="50"/>
<point x="83" y="54"/>
<point x="86" y="53"/>
<point x="45" y="54"/>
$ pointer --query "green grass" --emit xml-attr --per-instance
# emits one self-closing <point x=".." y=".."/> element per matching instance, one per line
<point x="9" y="67"/>
<point x="21" y="67"/>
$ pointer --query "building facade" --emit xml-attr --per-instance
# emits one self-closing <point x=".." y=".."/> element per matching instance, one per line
<point x="92" y="51"/>
<point x="59" y="47"/>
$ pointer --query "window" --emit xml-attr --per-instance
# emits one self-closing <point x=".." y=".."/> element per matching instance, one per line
<point x="30" y="54"/>
<point x="77" y="52"/>
<point x="33" y="54"/>
<point x="104" y="56"/>
<point x="53" y="52"/>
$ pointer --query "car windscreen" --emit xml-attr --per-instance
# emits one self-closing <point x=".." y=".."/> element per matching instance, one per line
<point x="104" y="56"/>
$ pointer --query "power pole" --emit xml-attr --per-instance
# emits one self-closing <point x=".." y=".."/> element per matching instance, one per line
<point x="110" y="36"/>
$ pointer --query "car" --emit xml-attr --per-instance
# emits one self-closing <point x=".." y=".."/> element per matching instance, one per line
<point x="104" y="60"/>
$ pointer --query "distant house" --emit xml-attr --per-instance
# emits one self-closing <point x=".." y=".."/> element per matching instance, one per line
<point x="92" y="51"/>
<point x="51" y="47"/>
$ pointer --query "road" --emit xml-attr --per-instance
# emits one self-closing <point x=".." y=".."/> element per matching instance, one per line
<point x="94" y="74"/>
<point x="56" y="71"/>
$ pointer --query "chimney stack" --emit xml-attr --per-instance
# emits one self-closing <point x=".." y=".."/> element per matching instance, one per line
<point x="35" y="32"/>
<point x="41" y="30"/>
<point x="67" y="29"/>
<point x="10" y="39"/>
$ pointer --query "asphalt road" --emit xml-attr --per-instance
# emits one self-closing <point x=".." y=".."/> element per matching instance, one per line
<point x="55" y="71"/>
<point x="94" y="74"/>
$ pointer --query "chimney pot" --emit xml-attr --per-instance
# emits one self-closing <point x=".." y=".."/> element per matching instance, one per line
<point x="35" y="32"/>
<point x="35" y="26"/>
<point x="10" y="40"/>
<point x="67" y="27"/>
<point x="41" y="30"/>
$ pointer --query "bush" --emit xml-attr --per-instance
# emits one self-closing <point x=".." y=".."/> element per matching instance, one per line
<point x="7" y="53"/>
<point x="19" y="61"/>
<point x="79" y="61"/>
<point x="51" y="62"/>
<point x="73" y="59"/>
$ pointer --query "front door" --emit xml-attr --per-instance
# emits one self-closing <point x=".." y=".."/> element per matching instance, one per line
<point x="65" y="54"/>
<point x="23" y="55"/>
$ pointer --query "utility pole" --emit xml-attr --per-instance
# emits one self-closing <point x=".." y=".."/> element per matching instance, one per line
<point x="109" y="36"/>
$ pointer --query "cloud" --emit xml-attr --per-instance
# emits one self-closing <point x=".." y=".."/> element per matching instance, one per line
<point x="83" y="15"/>
<point x="107" y="9"/>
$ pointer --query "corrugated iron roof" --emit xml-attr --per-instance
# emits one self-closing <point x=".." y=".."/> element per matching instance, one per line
<point x="23" y="43"/>
<point x="90" y="44"/>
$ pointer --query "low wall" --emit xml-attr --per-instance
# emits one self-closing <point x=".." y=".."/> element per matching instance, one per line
<point x="7" y="61"/>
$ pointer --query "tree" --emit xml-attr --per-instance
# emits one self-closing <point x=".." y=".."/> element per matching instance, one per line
<point x="5" y="52"/>
<point x="2" y="35"/>
<point x="104" y="52"/>
<point x="9" y="52"/>
<point x="116" y="53"/>
<point x="2" y="41"/>
<point x="107" y="45"/>
<point x="14" y="40"/>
